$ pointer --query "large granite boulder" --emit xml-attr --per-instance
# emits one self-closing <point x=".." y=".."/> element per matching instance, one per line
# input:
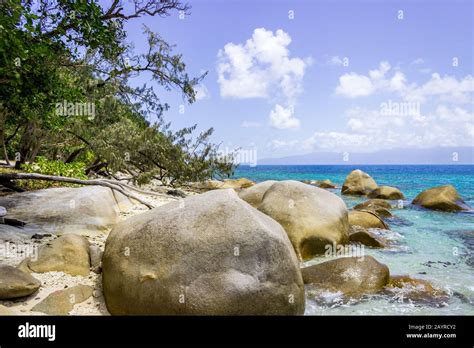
<point x="358" y="183"/>
<point x="83" y="210"/>
<point x="352" y="276"/>
<point x="444" y="198"/>
<point x="253" y="195"/>
<point x="68" y="253"/>
<point x="386" y="192"/>
<point x="313" y="218"/>
<point x="16" y="283"/>
<point x="210" y="254"/>
<point x="367" y="219"/>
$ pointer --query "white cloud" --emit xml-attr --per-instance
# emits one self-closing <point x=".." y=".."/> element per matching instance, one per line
<point x="353" y="85"/>
<point x="282" y="118"/>
<point x="250" y="124"/>
<point x="369" y="130"/>
<point x="447" y="88"/>
<point x="262" y="68"/>
<point x="335" y="60"/>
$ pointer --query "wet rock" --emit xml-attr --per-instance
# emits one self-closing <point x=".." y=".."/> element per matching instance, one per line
<point x="360" y="235"/>
<point x="352" y="276"/>
<point x="405" y="288"/>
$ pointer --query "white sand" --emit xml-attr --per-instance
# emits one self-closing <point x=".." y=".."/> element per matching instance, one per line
<point x="53" y="281"/>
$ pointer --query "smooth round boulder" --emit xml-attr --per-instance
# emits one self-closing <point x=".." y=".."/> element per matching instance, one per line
<point x="15" y="283"/>
<point x="367" y="219"/>
<point x="444" y="198"/>
<point x="209" y="254"/>
<point x="312" y="217"/>
<point x="386" y="192"/>
<point x="362" y="236"/>
<point x="353" y="276"/>
<point x="254" y="194"/>
<point x="68" y="254"/>
<point x="358" y="183"/>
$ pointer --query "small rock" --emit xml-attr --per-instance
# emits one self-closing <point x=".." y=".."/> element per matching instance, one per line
<point x="367" y="219"/>
<point x="15" y="283"/>
<point x="61" y="302"/>
<point x="360" y="235"/>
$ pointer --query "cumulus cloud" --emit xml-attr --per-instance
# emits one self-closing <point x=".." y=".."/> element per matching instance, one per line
<point x="369" y="130"/>
<point x="282" y="118"/>
<point x="262" y="68"/>
<point x="447" y="88"/>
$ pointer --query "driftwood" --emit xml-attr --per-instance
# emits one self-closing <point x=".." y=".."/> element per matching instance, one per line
<point x="32" y="176"/>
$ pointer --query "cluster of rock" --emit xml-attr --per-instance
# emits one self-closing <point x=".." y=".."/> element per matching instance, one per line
<point x="233" y="250"/>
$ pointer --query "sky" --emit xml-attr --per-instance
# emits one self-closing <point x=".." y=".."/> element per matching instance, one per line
<point x="294" y="77"/>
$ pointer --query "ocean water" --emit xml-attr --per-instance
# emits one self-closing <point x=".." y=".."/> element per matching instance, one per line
<point x="430" y="245"/>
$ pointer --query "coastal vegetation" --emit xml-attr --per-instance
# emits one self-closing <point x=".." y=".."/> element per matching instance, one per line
<point x="68" y="106"/>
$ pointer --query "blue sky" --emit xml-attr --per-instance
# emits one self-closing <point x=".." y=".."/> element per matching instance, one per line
<point x="338" y="76"/>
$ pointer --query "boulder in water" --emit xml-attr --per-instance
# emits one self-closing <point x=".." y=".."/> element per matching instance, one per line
<point x="367" y="219"/>
<point x="405" y="288"/>
<point x="358" y="183"/>
<point x="444" y="198"/>
<point x="353" y="276"/>
<point x="386" y="192"/>
<point x="360" y="235"/>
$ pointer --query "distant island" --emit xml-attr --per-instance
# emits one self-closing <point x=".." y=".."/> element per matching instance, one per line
<point x="434" y="156"/>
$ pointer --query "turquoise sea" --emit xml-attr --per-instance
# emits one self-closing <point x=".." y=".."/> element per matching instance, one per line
<point x="430" y="245"/>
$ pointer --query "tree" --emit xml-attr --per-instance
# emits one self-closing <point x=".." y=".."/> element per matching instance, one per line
<point x="55" y="51"/>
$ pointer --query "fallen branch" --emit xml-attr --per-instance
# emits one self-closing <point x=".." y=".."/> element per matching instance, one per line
<point x="34" y="176"/>
<point x="130" y="187"/>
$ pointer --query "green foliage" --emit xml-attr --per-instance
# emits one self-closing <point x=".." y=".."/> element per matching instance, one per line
<point x="57" y="168"/>
<point x="56" y="51"/>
